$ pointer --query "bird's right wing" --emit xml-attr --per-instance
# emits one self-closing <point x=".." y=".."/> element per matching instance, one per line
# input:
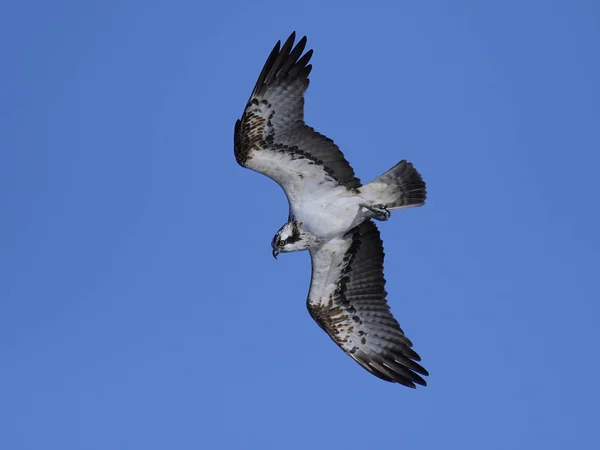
<point x="347" y="299"/>
<point x="272" y="138"/>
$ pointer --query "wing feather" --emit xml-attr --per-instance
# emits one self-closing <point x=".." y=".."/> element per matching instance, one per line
<point x="347" y="299"/>
<point x="272" y="137"/>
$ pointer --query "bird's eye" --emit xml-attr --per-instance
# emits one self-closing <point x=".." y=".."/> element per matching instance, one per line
<point x="281" y="243"/>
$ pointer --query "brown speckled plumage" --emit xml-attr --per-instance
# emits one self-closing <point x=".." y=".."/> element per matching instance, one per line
<point x="273" y="120"/>
<point x="356" y="314"/>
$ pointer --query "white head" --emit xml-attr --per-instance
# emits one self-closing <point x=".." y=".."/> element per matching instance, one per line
<point x="289" y="238"/>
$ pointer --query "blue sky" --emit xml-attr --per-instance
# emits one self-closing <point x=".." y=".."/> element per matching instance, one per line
<point x="140" y="306"/>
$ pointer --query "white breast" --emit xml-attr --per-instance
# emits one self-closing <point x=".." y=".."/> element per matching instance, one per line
<point x="329" y="215"/>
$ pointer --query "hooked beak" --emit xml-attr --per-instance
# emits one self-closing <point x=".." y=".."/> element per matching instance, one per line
<point x="276" y="252"/>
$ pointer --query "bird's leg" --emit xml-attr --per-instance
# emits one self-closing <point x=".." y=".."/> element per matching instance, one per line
<point x="380" y="211"/>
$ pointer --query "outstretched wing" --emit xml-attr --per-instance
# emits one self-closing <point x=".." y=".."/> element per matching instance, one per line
<point x="347" y="299"/>
<point x="272" y="138"/>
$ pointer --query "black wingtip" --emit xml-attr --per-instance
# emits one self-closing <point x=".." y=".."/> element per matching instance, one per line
<point x="290" y="40"/>
<point x="284" y="61"/>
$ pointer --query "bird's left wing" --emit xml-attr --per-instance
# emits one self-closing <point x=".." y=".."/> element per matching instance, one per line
<point x="272" y="138"/>
<point x="347" y="299"/>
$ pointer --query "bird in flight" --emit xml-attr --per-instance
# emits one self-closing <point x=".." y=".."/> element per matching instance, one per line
<point x="331" y="215"/>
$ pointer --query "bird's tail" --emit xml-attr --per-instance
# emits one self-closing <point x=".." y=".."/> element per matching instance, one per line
<point x="400" y="187"/>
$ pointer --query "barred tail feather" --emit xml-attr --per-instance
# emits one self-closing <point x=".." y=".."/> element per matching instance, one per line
<point x="400" y="187"/>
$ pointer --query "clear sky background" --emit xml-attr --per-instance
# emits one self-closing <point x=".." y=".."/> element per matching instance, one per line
<point x="140" y="306"/>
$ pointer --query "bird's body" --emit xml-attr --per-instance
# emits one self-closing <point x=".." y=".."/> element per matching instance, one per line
<point x="324" y="211"/>
<point x="330" y="214"/>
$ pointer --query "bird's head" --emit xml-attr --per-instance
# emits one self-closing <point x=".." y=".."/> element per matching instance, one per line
<point x="289" y="238"/>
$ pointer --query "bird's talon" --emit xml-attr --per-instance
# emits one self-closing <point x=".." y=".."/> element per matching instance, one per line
<point x="380" y="212"/>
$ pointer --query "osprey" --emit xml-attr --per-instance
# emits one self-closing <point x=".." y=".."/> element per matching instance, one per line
<point x="330" y="215"/>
